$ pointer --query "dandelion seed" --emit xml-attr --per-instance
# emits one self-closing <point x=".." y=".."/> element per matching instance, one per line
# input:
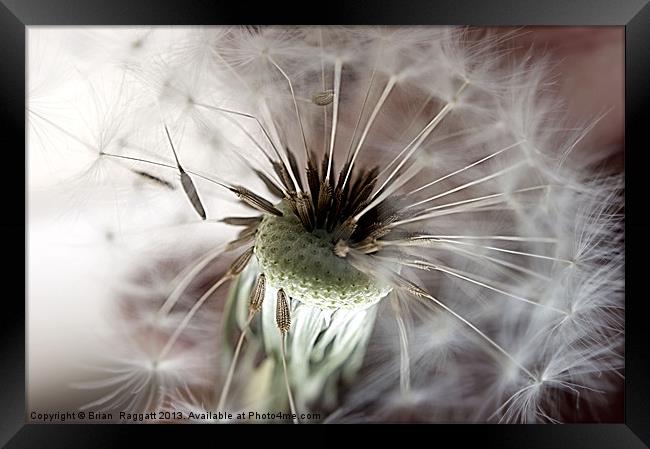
<point x="283" y="320"/>
<point x="186" y="182"/>
<point x="323" y="98"/>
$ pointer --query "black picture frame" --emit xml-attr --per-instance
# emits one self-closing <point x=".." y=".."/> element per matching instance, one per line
<point x="634" y="15"/>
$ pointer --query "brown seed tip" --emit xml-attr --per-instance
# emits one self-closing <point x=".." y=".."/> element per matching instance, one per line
<point x="282" y="316"/>
<point x="323" y="98"/>
<point x="240" y="263"/>
<point x="257" y="295"/>
<point x="254" y="200"/>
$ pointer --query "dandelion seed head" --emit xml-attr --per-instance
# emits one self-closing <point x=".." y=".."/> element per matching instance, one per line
<point x="305" y="266"/>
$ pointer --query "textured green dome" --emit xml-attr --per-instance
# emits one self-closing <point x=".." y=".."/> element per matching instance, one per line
<point x="303" y="264"/>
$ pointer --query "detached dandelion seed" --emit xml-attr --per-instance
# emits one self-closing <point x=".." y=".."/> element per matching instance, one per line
<point x="428" y="230"/>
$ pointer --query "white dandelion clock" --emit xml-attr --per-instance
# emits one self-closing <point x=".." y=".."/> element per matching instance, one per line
<point x="378" y="224"/>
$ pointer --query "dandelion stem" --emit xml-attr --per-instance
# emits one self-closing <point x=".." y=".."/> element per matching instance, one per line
<point x="171" y="144"/>
<point x="405" y="360"/>
<point x="335" y="115"/>
<point x="277" y="187"/>
<point x="266" y="134"/>
<point x="363" y="108"/>
<point x="433" y="211"/>
<point x="161" y="164"/>
<point x="254" y="305"/>
<point x="190" y="314"/>
<point x="415" y="144"/>
<point x="496" y="261"/>
<point x="233" y="363"/>
<point x="469" y="184"/>
<point x="467" y="167"/>
<point x="509" y="251"/>
<point x="465" y="276"/>
<point x="243" y="114"/>
<point x="491" y="342"/>
<point x="322" y="77"/>
<point x="295" y="105"/>
<point x="187" y="277"/>
<point x="387" y="90"/>
<point x="292" y="405"/>
<point x="249" y="135"/>
<point x="511" y="238"/>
